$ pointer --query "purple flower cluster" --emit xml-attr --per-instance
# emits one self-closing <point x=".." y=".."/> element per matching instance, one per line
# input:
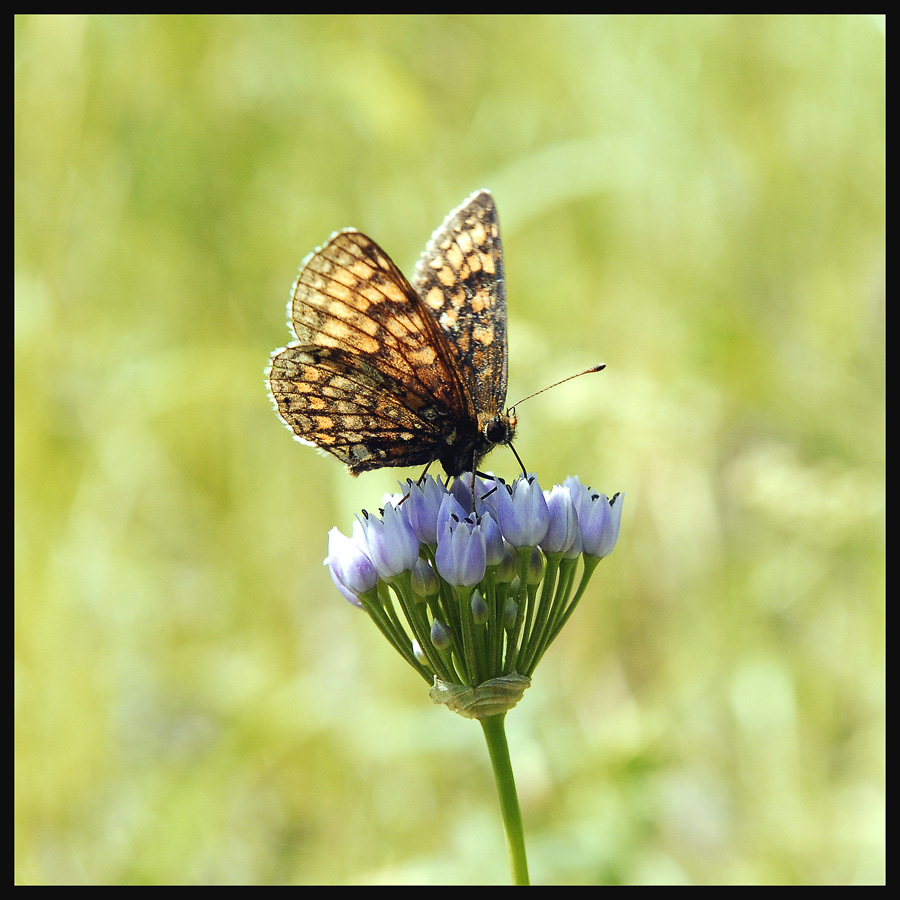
<point x="473" y="583"/>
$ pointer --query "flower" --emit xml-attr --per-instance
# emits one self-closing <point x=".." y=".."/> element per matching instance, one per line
<point x="536" y="568"/>
<point x="352" y="572"/>
<point x="563" y="530"/>
<point x="461" y="556"/>
<point x="522" y="512"/>
<point x="441" y="636"/>
<point x="424" y="581"/>
<point x="493" y="541"/>
<point x="450" y="508"/>
<point x="471" y="585"/>
<point x="423" y="500"/>
<point x="599" y="518"/>
<point x="393" y="546"/>
<point x="480" y="610"/>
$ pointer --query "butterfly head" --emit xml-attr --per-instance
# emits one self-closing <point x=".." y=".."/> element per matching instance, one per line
<point x="501" y="429"/>
<point x="464" y="451"/>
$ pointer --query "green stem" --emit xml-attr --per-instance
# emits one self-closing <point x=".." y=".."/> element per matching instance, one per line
<point x="590" y="563"/>
<point x="495" y="735"/>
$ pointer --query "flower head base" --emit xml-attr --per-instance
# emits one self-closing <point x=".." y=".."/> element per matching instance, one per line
<point x="490" y="698"/>
<point x="472" y="600"/>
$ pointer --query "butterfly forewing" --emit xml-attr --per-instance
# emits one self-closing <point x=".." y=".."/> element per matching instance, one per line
<point x="460" y="277"/>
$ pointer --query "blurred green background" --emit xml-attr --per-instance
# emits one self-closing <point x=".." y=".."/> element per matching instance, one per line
<point x="697" y="202"/>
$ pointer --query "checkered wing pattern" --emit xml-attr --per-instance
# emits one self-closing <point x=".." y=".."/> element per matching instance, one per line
<point x="460" y="277"/>
<point x="382" y="374"/>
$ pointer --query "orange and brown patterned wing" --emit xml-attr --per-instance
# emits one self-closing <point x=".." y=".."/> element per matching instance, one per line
<point x="370" y="377"/>
<point x="460" y="277"/>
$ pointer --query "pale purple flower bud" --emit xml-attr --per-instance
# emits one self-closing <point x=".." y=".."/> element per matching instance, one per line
<point x="461" y="489"/>
<point x="421" y="508"/>
<point x="450" y="510"/>
<point x="536" y="568"/>
<point x="600" y="519"/>
<point x="493" y="541"/>
<point x="563" y="530"/>
<point x="349" y="565"/>
<point x="479" y="609"/>
<point x="393" y="545"/>
<point x="486" y="499"/>
<point x="523" y="514"/>
<point x="577" y="547"/>
<point x="424" y="580"/>
<point x="577" y="491"/>
<point x="441" y="635"/>
<point x="508" y="567"/>
<point x="460" y="556"/>
<point x="345" y="592"/>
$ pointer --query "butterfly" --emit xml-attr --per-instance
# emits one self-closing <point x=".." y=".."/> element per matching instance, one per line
<point x="388" y="372"/>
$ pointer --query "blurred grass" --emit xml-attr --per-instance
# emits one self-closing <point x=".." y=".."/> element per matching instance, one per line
<point x="698" y="202"/>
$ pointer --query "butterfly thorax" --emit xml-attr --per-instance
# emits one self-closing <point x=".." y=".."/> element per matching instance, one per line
<point x="464" y="452"/>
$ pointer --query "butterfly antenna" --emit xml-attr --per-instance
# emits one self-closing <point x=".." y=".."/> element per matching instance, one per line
<point x="556" y="384"/>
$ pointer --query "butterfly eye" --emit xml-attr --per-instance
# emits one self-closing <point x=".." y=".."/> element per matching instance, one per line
<point x="496" y="431"/>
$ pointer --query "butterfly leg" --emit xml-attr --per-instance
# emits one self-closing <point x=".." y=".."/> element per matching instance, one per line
<point x="418" y="481"/>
